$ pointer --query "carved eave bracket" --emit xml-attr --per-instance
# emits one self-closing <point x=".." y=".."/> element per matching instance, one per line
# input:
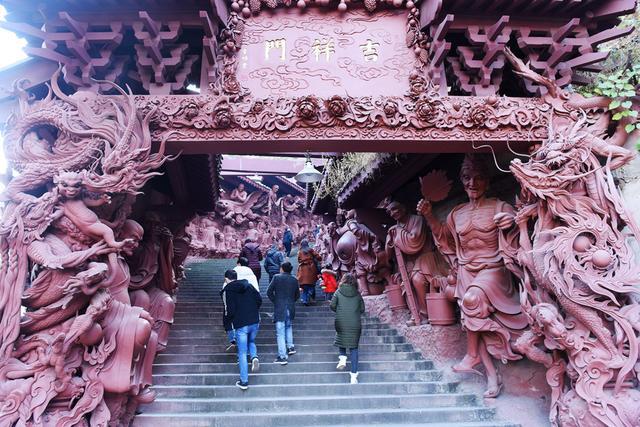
<point x="163" y="65"/>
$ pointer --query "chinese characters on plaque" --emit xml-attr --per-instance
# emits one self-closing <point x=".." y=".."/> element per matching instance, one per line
<point x="321" y="50"/>
<point x="370" y="50"/>
<point x="278" y="44"/>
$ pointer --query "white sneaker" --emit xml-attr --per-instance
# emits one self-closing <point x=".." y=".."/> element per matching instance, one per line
<point x="354" y="377"/>
<point x="342" y="363"/>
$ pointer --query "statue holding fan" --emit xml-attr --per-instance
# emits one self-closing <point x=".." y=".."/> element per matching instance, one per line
<point x="488" y="299"/>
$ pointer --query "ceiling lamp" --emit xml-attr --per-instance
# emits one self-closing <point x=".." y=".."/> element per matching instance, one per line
<point x="308" y="174"/>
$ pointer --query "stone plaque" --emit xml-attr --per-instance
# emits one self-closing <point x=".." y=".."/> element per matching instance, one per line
<point x="294" y="53"/>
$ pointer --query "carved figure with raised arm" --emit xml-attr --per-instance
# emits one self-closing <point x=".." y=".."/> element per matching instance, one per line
<point x="75" y="205"/>
<point x="273" y="206"/>
<point x="81" y="354"/>
<point x="488" y="300"/>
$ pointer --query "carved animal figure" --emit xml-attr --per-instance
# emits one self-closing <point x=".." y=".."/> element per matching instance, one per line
<point x="571" y="252"/>
<point x="238" y="212"/>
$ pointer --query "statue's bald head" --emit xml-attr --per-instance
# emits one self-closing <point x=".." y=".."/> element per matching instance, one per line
<point x="132" y="229"/>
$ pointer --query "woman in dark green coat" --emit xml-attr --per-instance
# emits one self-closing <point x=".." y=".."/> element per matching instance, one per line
<point x="349" y="306"/>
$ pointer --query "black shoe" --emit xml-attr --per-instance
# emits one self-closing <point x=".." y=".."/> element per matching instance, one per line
<point x="291" y="351"/>
<point x="281" y="361"/>
<point x="255" y="365"/>
<point x="231" y="345"/>
<point x="242" y="386"/>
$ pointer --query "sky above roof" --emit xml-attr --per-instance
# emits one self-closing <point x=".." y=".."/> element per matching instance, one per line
<point x="10" y="53"/>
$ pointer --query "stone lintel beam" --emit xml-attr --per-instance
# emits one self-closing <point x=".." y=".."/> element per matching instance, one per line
<point x="431" y="123"/>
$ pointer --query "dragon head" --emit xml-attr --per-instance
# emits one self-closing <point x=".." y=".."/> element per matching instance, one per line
<point x="556" y="165"/>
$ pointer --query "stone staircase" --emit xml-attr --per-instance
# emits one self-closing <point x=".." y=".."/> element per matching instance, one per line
<point x="195" y="378"/>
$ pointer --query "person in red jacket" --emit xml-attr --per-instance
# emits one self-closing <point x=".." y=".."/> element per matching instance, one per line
<point x="329" y="281"/>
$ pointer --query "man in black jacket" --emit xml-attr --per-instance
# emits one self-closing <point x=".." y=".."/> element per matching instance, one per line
<point x="241" y="312"/>
<point x="284" y="291"/>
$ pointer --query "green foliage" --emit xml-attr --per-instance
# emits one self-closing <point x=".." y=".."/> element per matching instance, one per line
<point x="620" y="86"/>
<point x="342" y="170"/>
<point x="620" y="76"/>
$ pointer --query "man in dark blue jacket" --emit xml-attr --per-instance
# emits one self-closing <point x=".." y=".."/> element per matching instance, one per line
<point x="241" y="313"/>
<point x="272" y="261"/>
<point x="284" y="291"/>
<point x="287" y="241"/>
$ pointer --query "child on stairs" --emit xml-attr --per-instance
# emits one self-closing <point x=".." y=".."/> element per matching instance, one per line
<point x="329" y="282"/>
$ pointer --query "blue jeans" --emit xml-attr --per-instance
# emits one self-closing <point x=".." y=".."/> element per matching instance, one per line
<point x="284" y="336"/>
<point x="353" y="357"/>
<point x="231" y="335"/>
<point x="246" y="338"/>
<point x="308" y="292"/>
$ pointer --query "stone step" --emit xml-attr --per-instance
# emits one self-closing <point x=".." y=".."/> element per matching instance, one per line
<point x="294" y="366"/>
<point x="269" y="329"/>
<point x="186" y="324"/>
<point x="299" y="403"/>
<point x="208" y="309"/>
<point x="296" y="390"/>
<point x="457" y="424"/>
<point x="326" y="347"/>
<point x="320" y="315"/>
<point x="230" y="356"/>
<point x="285" y="377"/>
<point x="264" y="337"/>
<point x="177" y="330"/>
<point x="195" y="376"/>
<point x="312" y="418"/>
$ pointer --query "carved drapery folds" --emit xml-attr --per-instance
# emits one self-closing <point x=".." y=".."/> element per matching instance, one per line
<point x="82" y="349"/>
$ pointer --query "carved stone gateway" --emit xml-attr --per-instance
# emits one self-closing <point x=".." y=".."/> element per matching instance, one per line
<point x="86" y="293"/>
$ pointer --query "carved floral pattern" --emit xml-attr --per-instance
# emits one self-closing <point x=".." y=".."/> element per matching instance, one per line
<point x="307" y="107"/>
<point x="428" y="117"/>
<point x="337" y="106"/>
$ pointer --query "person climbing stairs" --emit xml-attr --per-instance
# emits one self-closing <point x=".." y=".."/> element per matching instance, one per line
<point x="195" y="377"/>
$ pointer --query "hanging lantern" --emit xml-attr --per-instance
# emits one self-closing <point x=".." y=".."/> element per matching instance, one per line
<point x="308" y="173"/>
